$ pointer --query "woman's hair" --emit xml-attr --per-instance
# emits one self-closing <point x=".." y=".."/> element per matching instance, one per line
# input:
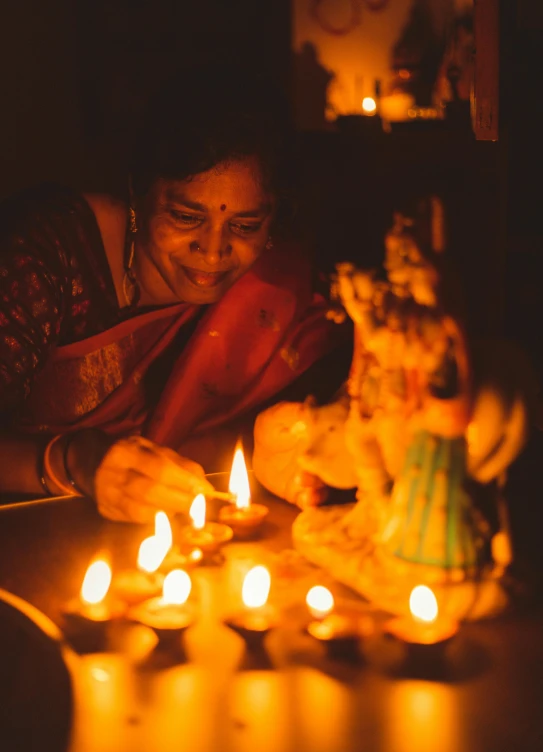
<point x="206" y="116"/>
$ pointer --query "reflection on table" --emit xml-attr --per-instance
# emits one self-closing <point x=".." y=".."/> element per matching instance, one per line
<point x="136" y="697"/>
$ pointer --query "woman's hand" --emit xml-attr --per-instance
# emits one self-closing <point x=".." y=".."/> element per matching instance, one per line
<point x="136" y="478"/>
<point x="280" y="441"/>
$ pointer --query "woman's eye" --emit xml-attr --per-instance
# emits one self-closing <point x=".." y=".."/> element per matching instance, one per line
<point x="185" y="218"/>
<point x="245" y="229"/>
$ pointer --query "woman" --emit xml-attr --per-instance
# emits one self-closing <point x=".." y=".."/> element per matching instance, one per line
<point x="128" y="331"/>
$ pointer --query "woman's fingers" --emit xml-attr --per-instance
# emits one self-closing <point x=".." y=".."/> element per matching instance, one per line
<point x="130" y="496"/>
<point x="137" y="477"/>
<point x="160" y="464"/>
<point x="139" y="486"/>
<point x="188" y="465"/>
<point x="114" y="504"/>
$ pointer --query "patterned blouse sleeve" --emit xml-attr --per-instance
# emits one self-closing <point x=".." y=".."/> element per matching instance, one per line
<point x="33" y="281"/>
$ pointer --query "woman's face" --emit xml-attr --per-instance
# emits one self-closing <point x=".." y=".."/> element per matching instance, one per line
<point x="200" y="235"/>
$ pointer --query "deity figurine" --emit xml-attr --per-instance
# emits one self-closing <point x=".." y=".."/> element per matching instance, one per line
<point x="426" y="439"/>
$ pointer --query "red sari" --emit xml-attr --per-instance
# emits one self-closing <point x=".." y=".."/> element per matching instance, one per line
<point x="265" y="332"/>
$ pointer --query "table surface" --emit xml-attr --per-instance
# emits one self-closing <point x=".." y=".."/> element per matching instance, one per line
<point x="131" y="698"/>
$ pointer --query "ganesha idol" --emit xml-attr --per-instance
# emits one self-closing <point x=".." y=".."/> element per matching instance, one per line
<point x="423" y="433"/>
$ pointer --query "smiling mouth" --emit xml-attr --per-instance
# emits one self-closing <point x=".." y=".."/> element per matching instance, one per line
<point x="204" y="279"/>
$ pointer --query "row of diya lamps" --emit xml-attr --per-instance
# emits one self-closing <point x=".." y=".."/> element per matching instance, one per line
<point x="156" y="593"/>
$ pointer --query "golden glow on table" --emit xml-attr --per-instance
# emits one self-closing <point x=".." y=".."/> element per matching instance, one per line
<point x="325" y="717"/>
<point x="259" y="703"/>
<point x="419" y="714"/>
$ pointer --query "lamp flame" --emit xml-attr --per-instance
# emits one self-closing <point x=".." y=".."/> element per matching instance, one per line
<point x="256" y="587"/>
<point x="176" y="588"/>
<point x="369" y="105"/>
<point x="151" y="554"/>
<point x="197" y="512"/>
<point x="320" y="601"/>
<point x="239" y="479"/>
<point x="423" y="604"/>
<point x="96" y="582"/>
<point x="163" y="530"/>
<point x="196" y="555"/>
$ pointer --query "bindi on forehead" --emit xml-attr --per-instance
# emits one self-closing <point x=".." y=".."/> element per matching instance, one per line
<point x="223" y="207"/>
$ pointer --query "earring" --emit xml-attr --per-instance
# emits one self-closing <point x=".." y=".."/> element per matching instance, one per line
<point x="131" y="289"/>
<point x="269" y="244"/>
<point x="132" y="220"/>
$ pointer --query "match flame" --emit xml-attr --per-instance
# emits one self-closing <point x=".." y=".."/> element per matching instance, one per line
<point x="176" y="588"/>
<point x="369" y="105"/>
<point x="96" y="582"/>
<point x="423" y="604"/>
<point x="239" y="479"/>
<point x="197" y="512"/>
<point x="256" y="587"/>
<point x="320" y="601"/>
<point x="163" y="531"/>
<point x="151" y="554"/>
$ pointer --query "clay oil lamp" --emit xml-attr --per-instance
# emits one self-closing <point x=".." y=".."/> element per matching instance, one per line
<point x="207" y="536"/>
<point x="175" y="557"/>
<point x="242" y="515"/>
<point x="137" y="585"/>
<point x="257" y="617"/>
<point x="339" y="630"/>
<point x="424" y="625"/>
<point x="178" y="558"/>
<point x="424" y="632"/>
<point x="88" y="616"/>
<point x="167" y="615"/>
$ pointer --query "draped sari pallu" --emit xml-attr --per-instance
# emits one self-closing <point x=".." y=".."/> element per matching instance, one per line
<point x="266" y="331"/>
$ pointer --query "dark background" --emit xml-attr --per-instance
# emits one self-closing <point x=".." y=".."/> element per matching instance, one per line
<point x="74" y="75"/>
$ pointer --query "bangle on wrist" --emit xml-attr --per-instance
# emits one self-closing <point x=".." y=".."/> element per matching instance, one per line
<point x="43" y="479"/>
<point x="48" y="469"/>
<point x="75" y="488"/>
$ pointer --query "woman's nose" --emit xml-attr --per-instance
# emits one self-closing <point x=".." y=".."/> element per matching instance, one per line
<point x="212" y="246"/>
